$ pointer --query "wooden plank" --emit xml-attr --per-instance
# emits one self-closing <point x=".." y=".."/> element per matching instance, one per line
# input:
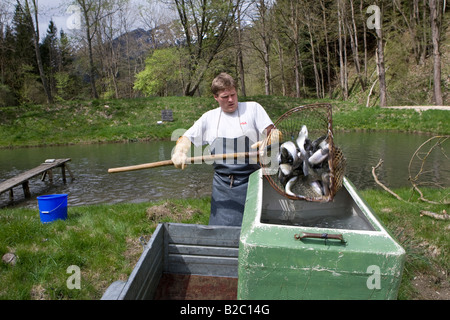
<point x="203" y="235"/>
<point x="203" y="265"/>
<point x="23" y="177"/>
<point x="203" y="250"/>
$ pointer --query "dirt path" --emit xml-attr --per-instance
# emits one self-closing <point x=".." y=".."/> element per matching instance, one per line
<point x="420" y="108"/>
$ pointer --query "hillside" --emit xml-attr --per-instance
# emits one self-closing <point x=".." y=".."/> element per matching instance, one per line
<point x="408" y="83"/>
<point x="112" y="120"/>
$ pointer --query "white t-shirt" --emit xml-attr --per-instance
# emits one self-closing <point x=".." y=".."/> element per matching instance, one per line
<point x="249" y="119"/>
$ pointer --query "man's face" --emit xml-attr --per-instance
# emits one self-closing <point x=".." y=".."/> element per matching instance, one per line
<point x="227" y="99"/>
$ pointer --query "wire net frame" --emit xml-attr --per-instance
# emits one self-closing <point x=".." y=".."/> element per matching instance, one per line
<point x="318" y="120"/>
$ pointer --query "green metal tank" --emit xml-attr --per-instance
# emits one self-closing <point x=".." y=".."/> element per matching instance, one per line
<point x="294" y="249"/>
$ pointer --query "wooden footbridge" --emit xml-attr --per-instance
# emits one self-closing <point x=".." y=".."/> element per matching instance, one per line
<point x="44" y="169"/>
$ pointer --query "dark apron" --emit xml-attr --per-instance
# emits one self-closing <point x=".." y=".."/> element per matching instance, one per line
<point x="230" y="182"/>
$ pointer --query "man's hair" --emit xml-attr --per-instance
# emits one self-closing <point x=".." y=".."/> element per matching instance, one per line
<point x="221" y="82"/>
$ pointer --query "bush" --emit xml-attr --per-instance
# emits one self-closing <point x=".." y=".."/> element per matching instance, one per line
<point x="63" y="85"/>
<point x="33" y="92"/>
<point x="7" y="98"/>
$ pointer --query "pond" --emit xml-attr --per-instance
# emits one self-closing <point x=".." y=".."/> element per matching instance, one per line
<point x="94" y="185"/>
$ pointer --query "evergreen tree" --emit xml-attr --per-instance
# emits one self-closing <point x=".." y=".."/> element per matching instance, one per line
<point x="49" y="54"/>
<point x="21" y="63"/>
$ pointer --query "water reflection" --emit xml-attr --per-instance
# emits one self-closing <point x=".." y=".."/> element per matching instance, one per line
<point x="93" y="184"/>
<point x="363" y="150"/>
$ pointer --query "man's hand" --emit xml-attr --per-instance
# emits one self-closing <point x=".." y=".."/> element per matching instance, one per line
<point x="179" y="160"/>
<point x="179" y="156"/>
<point x="274" y="136"/>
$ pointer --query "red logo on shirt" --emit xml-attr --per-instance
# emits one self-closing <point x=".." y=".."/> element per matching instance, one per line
<point x="245" y="122"/>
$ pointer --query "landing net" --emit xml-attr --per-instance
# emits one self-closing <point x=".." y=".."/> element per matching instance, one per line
<point x="304" y="164"/>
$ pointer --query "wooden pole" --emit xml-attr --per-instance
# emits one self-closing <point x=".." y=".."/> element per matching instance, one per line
<point x="189" y="160"/>
<point x="70" y="172"/>
<point x="63" y="173"/>
<point x="26" y="189"/>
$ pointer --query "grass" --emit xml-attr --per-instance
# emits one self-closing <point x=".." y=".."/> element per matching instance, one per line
<point x="426" y="240"/>
<point x="102" y="240"/>
<point x="136" y="119"/>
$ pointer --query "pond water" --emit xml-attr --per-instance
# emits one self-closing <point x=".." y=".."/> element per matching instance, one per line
<point x="93" y="184"/>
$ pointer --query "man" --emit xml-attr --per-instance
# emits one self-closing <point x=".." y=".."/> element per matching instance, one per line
<point x="232" y="127"/>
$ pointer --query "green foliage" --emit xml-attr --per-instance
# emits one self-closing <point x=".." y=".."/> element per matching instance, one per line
<point x="32" y="90"/>
<point x="6" y="96"/>
<point x="63" y="84"/>
<point x="212" y="44"/>
<point x="421" y="236"/>
<point x="161" y="73"/>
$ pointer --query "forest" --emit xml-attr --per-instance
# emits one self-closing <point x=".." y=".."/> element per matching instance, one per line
<point x="377" y="52"/>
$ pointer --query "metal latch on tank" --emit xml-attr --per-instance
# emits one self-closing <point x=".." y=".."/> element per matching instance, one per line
<point x="325" y="236"/>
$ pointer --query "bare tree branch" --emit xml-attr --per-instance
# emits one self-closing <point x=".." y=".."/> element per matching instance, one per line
<point x="381" y="184"/>
<point x="417" y="154"/>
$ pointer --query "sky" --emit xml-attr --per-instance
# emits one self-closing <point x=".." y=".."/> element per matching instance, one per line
<point x="52" y="10"/>
<point x="63" y="14"/>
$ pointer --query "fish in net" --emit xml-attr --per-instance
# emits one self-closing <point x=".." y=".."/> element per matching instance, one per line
<point x="304" y="164"/>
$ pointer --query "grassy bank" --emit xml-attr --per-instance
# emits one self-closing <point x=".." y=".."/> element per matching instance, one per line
<point x="105" y="242"/>
<point x="136" y="119"/>
<point x="425" y="239"/>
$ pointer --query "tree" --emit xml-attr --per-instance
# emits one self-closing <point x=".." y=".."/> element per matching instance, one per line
<point x="353" y="32"/>
<point x="327" y="46"/>
<point x="91" y="11"/>
<point x="5" y="32"/>
<point x="308" y="12"/>
<point x="263" y="25"/>
<point x="206" y="25"/>
<point x="240" y="57"/>
<point x="435" y="37"/>
<point x="17" y="52"/>
<point x="34" y="26"/>
<point x="380" y="64"/>
<point x="376" y="22"/>
<point x="342" y="49"/>
<point x="289" y="22"/>
<point x="161" y="69"/>
<point x="49" y="53"/>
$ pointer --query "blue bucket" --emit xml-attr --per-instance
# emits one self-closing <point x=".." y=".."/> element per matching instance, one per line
<point x="52" y="207"/>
